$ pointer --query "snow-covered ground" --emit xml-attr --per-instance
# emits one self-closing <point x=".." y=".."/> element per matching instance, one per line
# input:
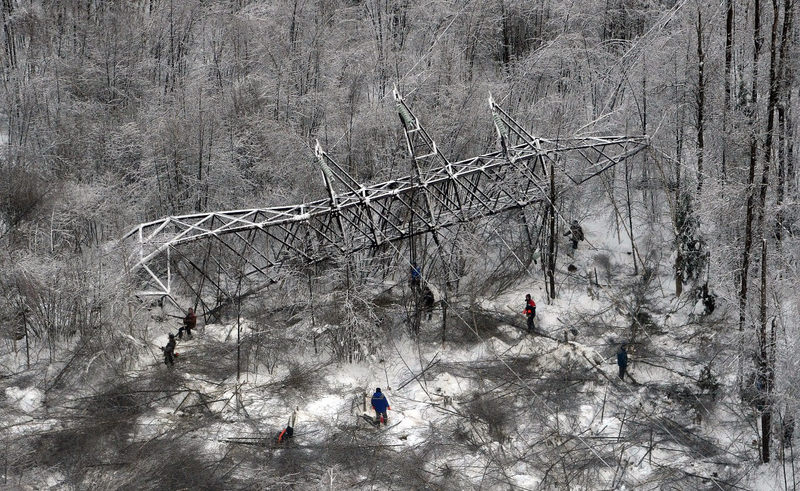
<point x="491" y="407"/>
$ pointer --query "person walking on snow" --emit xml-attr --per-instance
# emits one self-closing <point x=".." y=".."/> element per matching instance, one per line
<point x="530" y="311"/>
<point x="189" y="322"/>
<point x="575" y="232"/>
<point x="380" y="404"/>
<point x="169" y="351"/>
<point x="622" y="361"/>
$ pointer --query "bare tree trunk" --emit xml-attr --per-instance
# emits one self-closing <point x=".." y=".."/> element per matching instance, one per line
<point x="506" y="48"/>
<point x="8" y="34"/>
<point x="751" y="175"/>
<point x="645" y="163"/>
<point x="170" y="82"/>
<point x="238" y="331"/>
<point x="729" y="25"/>
<point x="551" y="245"/>
<point x="678" y="154"/>
<point x="27" y="343"/>
<point x="764" y="365"/>
<point x="784" y="90"/>
<point x="790" y="137"/>
<point x="444" y="319"/>
<point x="630" y="216"/>
<point x="781" y="175"/>
<point x="374" y="9"/>
<point x="199" y="203"/>
<point x="701" y="100"/>
<point x="311" y="309"/>
<point x="293" y="28"/>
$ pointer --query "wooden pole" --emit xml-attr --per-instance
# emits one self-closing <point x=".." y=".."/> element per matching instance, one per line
<point x="27" y="348"/>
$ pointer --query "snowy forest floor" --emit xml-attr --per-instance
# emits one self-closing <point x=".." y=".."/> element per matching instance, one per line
<point x="491" y="407"/>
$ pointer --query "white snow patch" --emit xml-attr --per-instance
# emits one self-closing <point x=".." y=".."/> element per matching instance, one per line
<point x="510" y="331"/>
<point x="152" y="423"/>
<point x="587" y="414"/>
<point x="55" y="479"/>
<point x="355" y="375"/>
<point x="411" y="422"/>
<point x="23" y="425"/>
<point x="446" y="384"/>
<point x="327" y="407"/>
<point x="525" y="481"/>
<point x="28" y="400"/>
<point x="224" y="333"/>
<point x="497" y="345"/>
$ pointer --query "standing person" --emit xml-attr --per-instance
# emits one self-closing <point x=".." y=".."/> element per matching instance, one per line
<point x="380" y="404"/>
<point x="169" y="351"/>
<point x="709" y="300"/>
<point x="416" y="276"/>
<point x="189" y="322"/>
<point x="530" y="311"/>
<point x="788" y="428"/>
<point x="622" y="361"/>
<point x="575" y="232"/>
<point x="428" y="300"/>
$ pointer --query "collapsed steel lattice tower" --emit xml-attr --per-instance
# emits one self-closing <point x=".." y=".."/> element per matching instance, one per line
<point x="221" y="249"/>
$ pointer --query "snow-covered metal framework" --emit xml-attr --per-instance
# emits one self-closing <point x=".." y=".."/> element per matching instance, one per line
<point x="221" y="249"/>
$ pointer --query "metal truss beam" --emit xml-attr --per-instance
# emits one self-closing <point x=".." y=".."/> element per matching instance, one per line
<point x="355" y="217"/>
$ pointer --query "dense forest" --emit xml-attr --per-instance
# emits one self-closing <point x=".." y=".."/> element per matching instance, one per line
<point x="118" y="113"/>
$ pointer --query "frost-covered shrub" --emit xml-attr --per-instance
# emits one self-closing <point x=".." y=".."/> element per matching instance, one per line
<point x="708" y="382"/>
<point x="300" y="378"/>
<point x="353" y="326"/>
<point x="689" y="241"/>
<point x="493" y="414"/>
<point x="602" y="262"/>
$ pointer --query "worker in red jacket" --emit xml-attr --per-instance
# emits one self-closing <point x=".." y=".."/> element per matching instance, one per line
<point x="189" y="322"/>
<point x="530" y="311"/>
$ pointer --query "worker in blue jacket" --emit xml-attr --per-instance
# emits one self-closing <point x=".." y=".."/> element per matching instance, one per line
<point x="380" y="404"/>
<point x="416" y="277"/>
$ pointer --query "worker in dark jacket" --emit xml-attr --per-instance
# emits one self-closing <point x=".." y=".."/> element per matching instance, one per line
<point x="189" y="322"/>
<point x="288" y="432"/>
<point x="169" y="351"/>
<point x="575" y="232"/>
<point x="709" y="300"/>
<point x="380" y="404"/>
<point x="788" y="428"/>
<point x="428" y="301"/>
<point x="622" y="361"/>
<point x="530" y="311"/>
